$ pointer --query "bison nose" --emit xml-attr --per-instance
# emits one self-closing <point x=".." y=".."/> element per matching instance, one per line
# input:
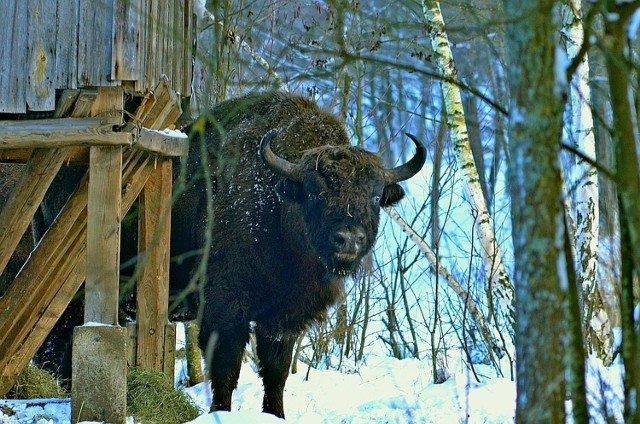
<point x="348" y="240"/>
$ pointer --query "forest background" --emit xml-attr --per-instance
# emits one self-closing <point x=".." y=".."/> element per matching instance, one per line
<point x="518" y="246"/>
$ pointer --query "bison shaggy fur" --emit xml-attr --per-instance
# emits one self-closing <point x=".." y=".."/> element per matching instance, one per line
<point x="288" y="208"/>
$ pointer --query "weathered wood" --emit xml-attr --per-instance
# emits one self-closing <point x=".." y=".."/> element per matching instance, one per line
<point x="76" y="156"/>
<point x="66" y="280"/>
<point x="37" y="283"/>
<point x="190" y="34"/>
<point x="66" y="103"/>
<point x="162" y="142"/>
<point x="53" y="273"/>
<point x="73" y="43"/>
<point x="109" y="102"/>
<point x="13" y="57"/>
<point x="66" y="106"/>
<point x="183" y="53"/>
<point x="26" y="197"/>
<point x="41" y="94"/>
<point x="84" y="103"/>
<point x="50" y="133"/>
<point x="165" y="29"/>
<point x="103" y="223"/>
<point x="125" y="60"/>
<point x="94" y="43"/>
<point x="66" y="66"/>
<point x="161" y="108"/>
<point x="152" y="299"/>
<point x="140" y="84"/>
<point x="152" y="45"/>
<point x="103" y="235"/>
<point x="177" y="44"/>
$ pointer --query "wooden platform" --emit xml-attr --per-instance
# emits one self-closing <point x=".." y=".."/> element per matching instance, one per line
<point x="127" y="160"/>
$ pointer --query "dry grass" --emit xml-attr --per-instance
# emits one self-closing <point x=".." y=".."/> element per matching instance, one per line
<point x="36" y="383"/>
<point x="151" y="398"/>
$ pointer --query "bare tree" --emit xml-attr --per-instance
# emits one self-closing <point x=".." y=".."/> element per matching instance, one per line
<point x="499" y="282"/>
<point x="597" y="325"/>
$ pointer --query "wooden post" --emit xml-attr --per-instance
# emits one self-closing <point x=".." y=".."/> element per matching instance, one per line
<point x="99" y="369"/>
<point x="103" y="235"/>
<point x="153" y="284"/>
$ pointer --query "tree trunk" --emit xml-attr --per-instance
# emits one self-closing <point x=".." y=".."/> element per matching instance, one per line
<point x="194" y="357"/>
<point x="501" y="287"/>
<point x="597" y="324"/>
<point x="537" y="214"/>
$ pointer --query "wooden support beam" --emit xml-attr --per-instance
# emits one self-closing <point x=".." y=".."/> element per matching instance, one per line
<point x="167" y="143"/>
<point x="76" y="155"/>
<point x="53" y="274"/>
<point x="103" y="235"/>
<point x="16" y="215"/>
<point x="153" y="285"/>
<point x="99" y="362"/>
<point x="64" y="132"/>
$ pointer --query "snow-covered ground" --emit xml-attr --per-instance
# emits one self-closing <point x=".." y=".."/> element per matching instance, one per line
<point x="384" y="390"/>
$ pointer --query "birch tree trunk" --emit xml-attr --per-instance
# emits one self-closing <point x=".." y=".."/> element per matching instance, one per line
<point x="597" y="325"/>
<point x="540" y="275"/>
<point x="501" y="288"/>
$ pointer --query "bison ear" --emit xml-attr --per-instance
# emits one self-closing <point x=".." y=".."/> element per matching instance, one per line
<point x="391" y="195"/>
<point x="289" y="190"/>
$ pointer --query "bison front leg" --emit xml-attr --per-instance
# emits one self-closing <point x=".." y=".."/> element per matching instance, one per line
<point x="274" y="355"/>
<point x="223" y="350"/>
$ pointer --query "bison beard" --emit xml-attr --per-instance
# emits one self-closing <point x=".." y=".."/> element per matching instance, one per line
<point x="294" y="210"/>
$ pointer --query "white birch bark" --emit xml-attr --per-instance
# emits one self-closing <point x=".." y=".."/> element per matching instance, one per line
<point x="586" y="213"/>
<point x="501" y="287"/>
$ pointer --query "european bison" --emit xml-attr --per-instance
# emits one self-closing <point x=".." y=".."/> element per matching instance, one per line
<point x="288" y="208"/>
<point x="295" y="208"/>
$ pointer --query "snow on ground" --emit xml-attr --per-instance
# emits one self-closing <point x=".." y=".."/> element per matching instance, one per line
<point x="384" y="390"/>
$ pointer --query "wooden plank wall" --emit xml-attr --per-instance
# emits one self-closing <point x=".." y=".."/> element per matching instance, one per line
<point x="13" y="56"/>
<point x="67" y="44"/>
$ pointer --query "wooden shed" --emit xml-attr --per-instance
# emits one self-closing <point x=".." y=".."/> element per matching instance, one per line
<point x="91" y="82"/>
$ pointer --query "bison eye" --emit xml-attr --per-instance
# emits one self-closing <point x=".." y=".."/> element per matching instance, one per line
<point x="376" y="199"/>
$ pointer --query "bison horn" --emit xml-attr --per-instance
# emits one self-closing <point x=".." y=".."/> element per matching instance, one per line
<point x="274" y="162"/>
<point x="409" y="169"/>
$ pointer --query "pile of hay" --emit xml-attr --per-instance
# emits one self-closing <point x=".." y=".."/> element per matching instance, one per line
<point x="36" y="383"/>
<point x="151" y="398"/>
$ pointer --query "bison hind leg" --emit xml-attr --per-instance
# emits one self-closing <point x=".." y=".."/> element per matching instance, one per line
<point x="274" y="355"/>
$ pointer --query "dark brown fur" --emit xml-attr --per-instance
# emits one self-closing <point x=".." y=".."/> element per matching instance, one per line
<point x="280" y="248"/>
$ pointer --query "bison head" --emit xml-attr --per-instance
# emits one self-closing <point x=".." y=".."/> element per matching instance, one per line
<point x="340" y="190"/>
